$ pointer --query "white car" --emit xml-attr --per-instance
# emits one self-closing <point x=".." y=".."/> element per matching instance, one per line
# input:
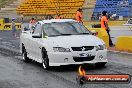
<point x="59" y="42"/>
<point x="128" y="23"/>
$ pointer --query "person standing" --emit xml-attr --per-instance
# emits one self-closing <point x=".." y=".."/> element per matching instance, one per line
<point x="79" y="16"/>
<point x="48" y="17"/>
<point x="58" y="16"/>
<point x="104" y="24"/>
<point x="13" y="27"/>
<point x="32" y="23"/>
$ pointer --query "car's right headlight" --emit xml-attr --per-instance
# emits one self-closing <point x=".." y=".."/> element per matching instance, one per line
<point x="61" y="49"/>
<point x="100" y="47"/>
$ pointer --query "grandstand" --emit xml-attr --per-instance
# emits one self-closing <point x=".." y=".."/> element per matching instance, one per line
<point x="67" y="8"/>
<point x="39" y="8"/>
<point x="119" y="7"/>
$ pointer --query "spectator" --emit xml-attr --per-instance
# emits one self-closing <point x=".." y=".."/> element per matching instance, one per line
<point x="79" y="16"/>
<point x="114" y="16"/>
<point x="109" y="16"/>
<point x="92" y="17"/>
<point x="13" y="27"/>
<point x="32" y="23"/>
<point x="48" y="17"/>
<point x="58" y="16"/>
<point x="104" y="24"/>
<point x="98" y="16"/>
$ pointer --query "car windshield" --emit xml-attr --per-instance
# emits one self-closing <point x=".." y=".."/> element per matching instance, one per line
<point x="64" y="29"/>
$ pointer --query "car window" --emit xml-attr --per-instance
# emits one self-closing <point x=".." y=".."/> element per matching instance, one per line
<point x="64" y="28"/>
<point x="25" y="27"/>
<point x="51" y="30"/>
<point x="38" y="28"/>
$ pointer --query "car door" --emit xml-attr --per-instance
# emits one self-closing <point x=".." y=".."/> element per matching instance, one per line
<point x="36" y="43"/>
<point x="25" y="37"/>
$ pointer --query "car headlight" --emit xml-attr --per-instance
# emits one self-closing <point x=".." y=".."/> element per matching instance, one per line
<point x="100" y="47"/>
<point x="61" y="49"/>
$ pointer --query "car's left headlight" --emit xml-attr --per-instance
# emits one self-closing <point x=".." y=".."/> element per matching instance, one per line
<point x="61" y="49"/>
<point x="100" y="47"/>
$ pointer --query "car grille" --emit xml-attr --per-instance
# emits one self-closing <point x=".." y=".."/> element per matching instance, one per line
<point x="81" y="59"/>
<point x="83" y="48"/>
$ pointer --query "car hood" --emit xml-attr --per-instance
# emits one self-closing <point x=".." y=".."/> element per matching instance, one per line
<point x="74" y="41"/>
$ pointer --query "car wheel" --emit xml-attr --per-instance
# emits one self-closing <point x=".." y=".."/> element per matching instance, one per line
<point x="24" y="56"/>
<point x="101" y="64"/>
<point x="45" y="59"/>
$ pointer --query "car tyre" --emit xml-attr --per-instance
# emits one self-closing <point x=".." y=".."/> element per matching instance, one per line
<point x="101" y="64"/>
<point x="24" y="56"/>
<point x="45" y="59"/>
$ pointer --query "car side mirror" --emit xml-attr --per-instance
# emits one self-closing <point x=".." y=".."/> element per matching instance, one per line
<point x="33" y="27"/>
<point x="37" y="35"/>
<point x="25" y="29"/>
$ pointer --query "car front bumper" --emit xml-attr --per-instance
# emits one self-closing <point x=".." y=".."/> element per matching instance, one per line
<point x="70" y="58"/>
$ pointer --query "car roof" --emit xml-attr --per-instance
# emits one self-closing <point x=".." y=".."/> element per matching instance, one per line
<point x="55" y="20"/>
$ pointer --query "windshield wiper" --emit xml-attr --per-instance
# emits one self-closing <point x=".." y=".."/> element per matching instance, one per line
<point x="53" y="35"/>
<point x="59" y="35"/>
<point x="66" y="34"/>
<point x="85" y="33"/>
